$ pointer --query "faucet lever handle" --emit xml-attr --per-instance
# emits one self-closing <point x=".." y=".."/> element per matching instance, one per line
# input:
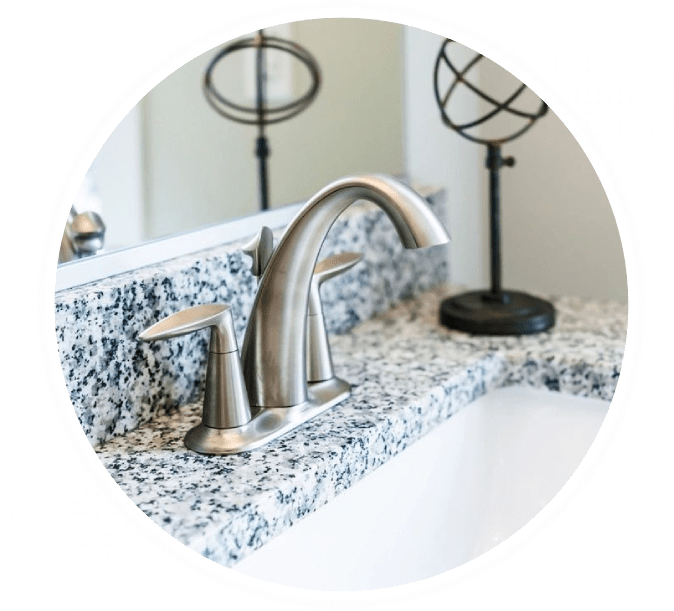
<point x="218" y="316"/>
<point x="319" y="360"/>
<point x="327" y="269"/>
<point x="225" y="398"/>
<point x="335" y="265"/>
<point x="260" y="248"/>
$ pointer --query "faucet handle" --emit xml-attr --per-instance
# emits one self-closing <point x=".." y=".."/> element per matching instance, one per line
<point x="319" y="360"/>
<point x="327" y="269"/>
<point x="260" y="248"/>
<point x="225" y="399"/>
<point x="216" y="315"/>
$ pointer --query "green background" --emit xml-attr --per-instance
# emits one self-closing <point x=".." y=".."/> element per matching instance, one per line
<point x="65" y="63"/>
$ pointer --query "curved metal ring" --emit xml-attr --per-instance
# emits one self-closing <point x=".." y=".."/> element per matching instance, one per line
<point x="269" y="115"/>
<point x="498" y="106"/>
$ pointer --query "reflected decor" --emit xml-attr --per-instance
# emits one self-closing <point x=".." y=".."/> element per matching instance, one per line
<point x="494" y="311"/>
<point x="262" y="114"/>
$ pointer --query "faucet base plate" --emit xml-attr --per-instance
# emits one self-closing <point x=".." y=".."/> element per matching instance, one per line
<point x="268" y="423"/>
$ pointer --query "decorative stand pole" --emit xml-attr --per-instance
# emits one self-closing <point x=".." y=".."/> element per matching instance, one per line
<point x="262" y="147"/>
<point x="262" y="114"/>
<point x="494" y="162"/>
<point x="494" y="311"/>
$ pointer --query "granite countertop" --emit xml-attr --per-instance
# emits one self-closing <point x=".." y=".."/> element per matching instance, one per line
<point x="408" y="374"/>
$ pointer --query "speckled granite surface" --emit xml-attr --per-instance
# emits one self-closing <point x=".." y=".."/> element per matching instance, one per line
<point x="116" y="382"/>
<point x="408" y="375"/>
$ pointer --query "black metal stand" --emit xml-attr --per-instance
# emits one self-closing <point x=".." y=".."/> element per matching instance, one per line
<point x="494" y="311"/>
<point x="517" y="313"/>
<point x="262" y="147"/>
<point x="262" y="152"/>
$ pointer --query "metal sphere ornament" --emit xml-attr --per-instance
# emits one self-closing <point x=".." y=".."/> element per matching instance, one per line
<point x="262" y="114"/>
<point x="492" y="311"/>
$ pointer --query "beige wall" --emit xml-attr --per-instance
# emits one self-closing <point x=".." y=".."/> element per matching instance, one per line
<point x="436" y="155"/>
<point x="200" y="168"/>
<point x="558" y="232"/>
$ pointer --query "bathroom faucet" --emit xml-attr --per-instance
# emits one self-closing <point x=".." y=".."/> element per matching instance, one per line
<point x="251" y="401"/>
<point x="273" y="353"/>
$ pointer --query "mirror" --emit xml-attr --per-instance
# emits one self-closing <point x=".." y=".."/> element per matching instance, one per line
<point x="174" y="164"/>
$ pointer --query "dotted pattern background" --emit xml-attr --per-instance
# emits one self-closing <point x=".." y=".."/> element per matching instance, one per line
<point x="67" y="543"/>
<point x="612" y="74"/>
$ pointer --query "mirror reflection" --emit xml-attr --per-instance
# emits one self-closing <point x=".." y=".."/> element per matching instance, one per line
<point x="174" y="164"/>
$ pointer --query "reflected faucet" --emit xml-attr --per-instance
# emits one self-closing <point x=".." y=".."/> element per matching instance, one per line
<point x="273" y="352"/>
<point x="83" y="235"/>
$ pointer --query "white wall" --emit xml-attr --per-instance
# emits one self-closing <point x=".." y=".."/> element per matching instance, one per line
<point x="436" y="155"/>
<point x="116" y="177"/>
<point x="558" y="232"/>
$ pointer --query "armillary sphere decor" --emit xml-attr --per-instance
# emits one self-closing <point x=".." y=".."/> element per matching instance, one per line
<point x="262" y="114"/>
<point x="494" y="311"/>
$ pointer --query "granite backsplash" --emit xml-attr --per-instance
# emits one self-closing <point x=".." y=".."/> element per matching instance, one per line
<point x="117" y="383"/>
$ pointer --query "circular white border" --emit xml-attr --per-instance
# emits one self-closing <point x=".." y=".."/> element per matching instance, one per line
<point x="50" y="236"/>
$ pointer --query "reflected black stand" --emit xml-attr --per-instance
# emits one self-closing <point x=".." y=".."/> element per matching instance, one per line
<point x="262" y="114"/>
<point x="494" y="311"/>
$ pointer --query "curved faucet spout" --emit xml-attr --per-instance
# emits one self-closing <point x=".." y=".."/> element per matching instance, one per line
<point x="273" y="351"/>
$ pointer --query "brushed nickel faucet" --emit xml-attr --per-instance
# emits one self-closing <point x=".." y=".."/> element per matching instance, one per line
<point x="274" y="351"/>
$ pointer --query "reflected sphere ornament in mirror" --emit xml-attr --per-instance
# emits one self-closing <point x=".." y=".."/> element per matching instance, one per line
<point x="262" y="113"/>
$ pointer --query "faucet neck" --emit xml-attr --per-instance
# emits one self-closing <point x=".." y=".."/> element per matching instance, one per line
<point x="274" y="343"/>
<point x="273" y="351"/>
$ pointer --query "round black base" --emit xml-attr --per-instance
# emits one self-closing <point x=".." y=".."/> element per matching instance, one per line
<point x="510" y="313"/>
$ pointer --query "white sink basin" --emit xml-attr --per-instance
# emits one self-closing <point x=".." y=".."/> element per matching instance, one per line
<point x="459" y="491"/>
